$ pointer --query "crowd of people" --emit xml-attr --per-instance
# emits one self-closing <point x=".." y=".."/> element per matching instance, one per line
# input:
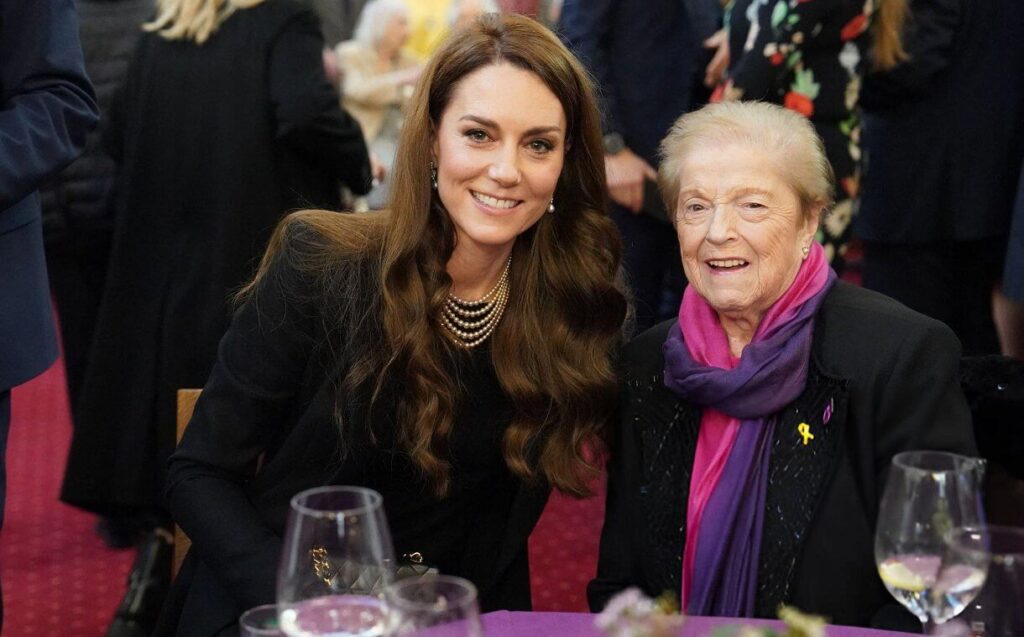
<point x="464" y="256"/>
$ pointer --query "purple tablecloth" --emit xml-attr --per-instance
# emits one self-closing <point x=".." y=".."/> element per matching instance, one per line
<point x="508" y="624"/>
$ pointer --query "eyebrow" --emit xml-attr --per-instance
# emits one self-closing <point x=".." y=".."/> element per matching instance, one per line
<point x="490" y="123"/>
<point x="740" y="192"/>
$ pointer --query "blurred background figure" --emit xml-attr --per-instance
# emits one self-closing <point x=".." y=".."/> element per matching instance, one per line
<point x="78" y="204"/>
<point x="338" y="19"/>
<point x="646" y="56"/>
<point x="377" y="78"/>
<point x="224" y="123"/>
<point x="943" y="140"/>
<point x="431" y="20"/>
<point x="811" y="57"/>
<point x="46" y="108"/>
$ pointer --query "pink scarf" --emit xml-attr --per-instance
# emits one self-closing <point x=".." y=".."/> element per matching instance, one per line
<point x="708" y="345"/>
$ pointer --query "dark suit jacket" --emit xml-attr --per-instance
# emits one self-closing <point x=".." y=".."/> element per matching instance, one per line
<point x="644" y="56"/>
<point x="272" y="392"/>
<point x="943" y="132"/>
<point x="46" y="108"/>
<point x="890" y="376"/>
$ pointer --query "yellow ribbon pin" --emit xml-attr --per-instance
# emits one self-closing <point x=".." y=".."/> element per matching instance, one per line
<point x="805" y="430"/>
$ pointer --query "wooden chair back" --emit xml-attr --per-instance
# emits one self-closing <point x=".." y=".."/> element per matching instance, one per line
<point x="186" y="405"/>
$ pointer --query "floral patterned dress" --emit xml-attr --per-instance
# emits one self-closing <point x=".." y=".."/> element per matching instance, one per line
<point x="810" y="56"/>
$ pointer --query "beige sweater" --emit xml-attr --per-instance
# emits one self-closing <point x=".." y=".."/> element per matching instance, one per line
<point x="366" y="91"/>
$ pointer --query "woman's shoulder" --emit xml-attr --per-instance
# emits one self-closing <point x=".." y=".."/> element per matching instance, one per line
<point x="855" y="323"/>
<point x="642" y="357"/>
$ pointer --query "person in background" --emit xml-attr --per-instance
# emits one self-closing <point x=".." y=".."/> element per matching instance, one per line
<point x="78" y="204"/>
<point x="432" y="20"/>
<point x="646" y="57"/>
<point x="377" y="80"/>
<point x="940" y="171"/>
<point x="454" y="353"/>
<point x="756" y="429"/>
<point x="47" y="107"/>
<point x="224" y="123"/>
<point x="811" y="57"/>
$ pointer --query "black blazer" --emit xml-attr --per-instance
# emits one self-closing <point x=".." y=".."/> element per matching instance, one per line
<point x="271" y="394"/>
<point x="943" y="132"/>
<point x="890" y="375"/>
<point x="46" y="108"/>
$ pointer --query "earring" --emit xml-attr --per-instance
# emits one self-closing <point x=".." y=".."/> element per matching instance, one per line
<point x="551" y="206"/>
<point x="806" y="250"/>
<point x="433" y="175"/>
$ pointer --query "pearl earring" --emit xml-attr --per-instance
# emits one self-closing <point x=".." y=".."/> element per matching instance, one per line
<point x="551" y="206"/>
<point x="433" y="175"/>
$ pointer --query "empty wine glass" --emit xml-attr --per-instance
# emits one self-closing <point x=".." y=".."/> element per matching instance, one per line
<point x="927" y="495"/>
<point x="433" y="606"/>
<point x="998" y="610"/>
<point x="336" y="562"/>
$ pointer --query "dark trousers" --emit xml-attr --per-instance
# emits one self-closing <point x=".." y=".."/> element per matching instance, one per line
<point x="950" y="282"/>
<point x="5" y="425"/>
<point x="650" y="257"/>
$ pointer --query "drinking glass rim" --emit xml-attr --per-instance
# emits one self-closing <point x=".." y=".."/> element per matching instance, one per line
<point x="374" y="501"/>
<point x="899" y="460"/>
<point x="468" y="598"/>
<point x="996" y="528"/>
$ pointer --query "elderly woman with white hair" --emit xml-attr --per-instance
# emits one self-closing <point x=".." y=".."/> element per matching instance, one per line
<point x="756" y="430"/>
<point x="377" y="78"/>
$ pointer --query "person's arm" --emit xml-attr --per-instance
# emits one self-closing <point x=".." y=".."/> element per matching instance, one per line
<point x="762" y="64"/>
<point x="373" y="89"/>
<point x="305" y="107"/>
<point x="930" y="39"/>
<point x="245" y="406"/>
<point x="922" y="405"/>
<point x="47" y="104"/>
<point x="585" y="26"/>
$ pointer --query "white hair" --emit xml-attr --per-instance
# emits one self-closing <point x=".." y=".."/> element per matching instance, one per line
<point x="375" y="18"/>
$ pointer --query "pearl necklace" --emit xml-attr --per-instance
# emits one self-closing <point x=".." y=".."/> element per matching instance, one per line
<point x="469" y="323"/>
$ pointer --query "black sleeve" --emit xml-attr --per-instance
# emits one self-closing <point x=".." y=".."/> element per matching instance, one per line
<point x="246" y="404"/>
<point x="617" y="564"/>
<point x="922" y="405"/>
<point x="584" y="25"/>
<point x="930" y="39"/>
<point x="307" y="110"/>
<point x="47" y="104"/>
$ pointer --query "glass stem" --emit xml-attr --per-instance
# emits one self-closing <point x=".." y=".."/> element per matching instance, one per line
<point x="928" y="627"/>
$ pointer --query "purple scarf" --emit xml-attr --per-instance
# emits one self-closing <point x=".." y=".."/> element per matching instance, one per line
<point x="770" y="374"/>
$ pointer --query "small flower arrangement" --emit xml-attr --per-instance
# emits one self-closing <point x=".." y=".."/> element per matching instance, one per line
<point x="633" y="614"/>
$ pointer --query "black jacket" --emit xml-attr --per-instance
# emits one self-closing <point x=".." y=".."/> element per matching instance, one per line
<point x="943" y="132"/>
<point x="890" y="375"/>
<point x="272" y="395"/>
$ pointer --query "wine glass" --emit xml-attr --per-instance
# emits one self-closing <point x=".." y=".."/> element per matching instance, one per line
<point x="927" y="495"/>
<point x="433" y="606"/>
<point x="998" y="610"/>
<point x="260" y="621"/>
<point x="336" y="562"/>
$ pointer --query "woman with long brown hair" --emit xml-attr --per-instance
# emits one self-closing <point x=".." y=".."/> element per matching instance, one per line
<point x="453" y="353"/>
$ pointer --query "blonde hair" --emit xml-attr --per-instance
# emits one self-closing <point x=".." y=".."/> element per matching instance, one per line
<point x="194" y="20"/>
<point x="887" y="49"/>
<point x="783" y="134"/>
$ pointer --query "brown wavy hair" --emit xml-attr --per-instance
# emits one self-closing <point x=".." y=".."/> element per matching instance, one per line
<point x="553" y="350"/>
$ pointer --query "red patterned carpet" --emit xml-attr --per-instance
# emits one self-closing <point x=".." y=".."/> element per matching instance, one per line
<point x="60" y="580"/>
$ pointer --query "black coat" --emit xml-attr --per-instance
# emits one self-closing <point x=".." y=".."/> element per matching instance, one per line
<point x="272" y="394"/>
<point x="890" y="375"/>
<point x="943" y="132"/>
<point x="215" y="143"/>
